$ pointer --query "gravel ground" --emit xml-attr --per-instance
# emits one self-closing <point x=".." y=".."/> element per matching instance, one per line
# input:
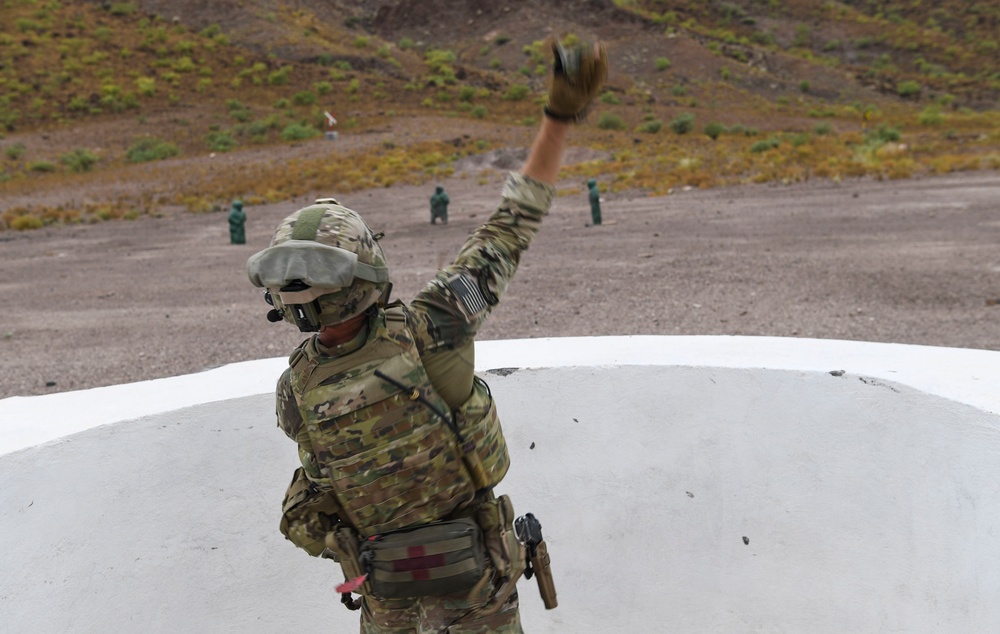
<point x="911" y="261"/>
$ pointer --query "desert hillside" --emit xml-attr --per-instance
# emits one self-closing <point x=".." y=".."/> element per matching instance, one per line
<point x="120" y="109"/>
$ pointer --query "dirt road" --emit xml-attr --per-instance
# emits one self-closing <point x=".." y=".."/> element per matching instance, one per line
<point x="902" y="261"/>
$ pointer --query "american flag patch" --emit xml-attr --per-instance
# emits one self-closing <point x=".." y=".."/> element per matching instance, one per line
<point x="468" y="291"/>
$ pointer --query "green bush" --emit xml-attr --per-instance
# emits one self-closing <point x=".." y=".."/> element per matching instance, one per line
<point x="221" y="141"/>
<point x="884" y="134"/>
<point x="146" y="86"/>
<point x="304" y="98"/>
<point x="299" y="132"/>
<point x="683" y="123"/>
<point x="323" y="87"/>
<point x="714" y="130"/>
<point x="79" y="160"/>
<point x="150" y="149"/>
<point x="764" y="146"/>
<point x="609" y="121"/>
<point x="42" y="166"/>
<point x="610" y="98"/>
<point x="931" y="115"/>
<point x="479" y="112"/>
<point x="26" y="223"/>
<point x="280" y="76"/>
<point x="908" y="88"/>
<point x="15" y="151"/>
<point x="662" y="63"/>
<point x="823" y="128"/>
<point x="517" y="92"/>
<point x="122" y="8"/>
<point x="650" y="127"/>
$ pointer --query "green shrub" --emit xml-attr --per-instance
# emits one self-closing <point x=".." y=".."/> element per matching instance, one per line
<point x="764" y="146"/>
<point x="150" y="149"/>
<point x="466" y="93"/>
<point x="42" y="166"/>
<point x="79" y="160"/>
<point x="146" y="86"/>
<point x="609" y="121"/>
<point x="323" y="87"/>
<point x="931" y="115"/>
<point x="299" y="132"/>
<point x="122" y="8"/>
<point x="517" y="92"/>
<point x="222" y="141"/>
<point x="683" y="123"/>
<point x="662" y="63"/>
<point x="26" y="223"/>
<point x="804" y="86"/>
<point x="884" y="134"/>
<point x="184" y="65"/>
<point x="650" y="127"/>
<point x="714" y="130"/>
<point x="15" y="151"/>
<point x="610" y="98"/>
<point x="823" y="128"/>
<point x="908" y="88"/>
<point x="304" y="98"/>
<point x="479" y="112"/>
<point x="280" y="76"/>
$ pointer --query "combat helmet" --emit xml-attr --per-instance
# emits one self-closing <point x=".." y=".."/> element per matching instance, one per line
<point x="323" y="267"/>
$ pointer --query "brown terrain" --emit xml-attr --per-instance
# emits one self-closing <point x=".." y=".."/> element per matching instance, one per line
<point x="907" y="261"/>
<point x="893" y="259"/>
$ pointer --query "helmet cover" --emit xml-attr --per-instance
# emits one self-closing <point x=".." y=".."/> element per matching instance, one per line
<point x="323" y="253"/>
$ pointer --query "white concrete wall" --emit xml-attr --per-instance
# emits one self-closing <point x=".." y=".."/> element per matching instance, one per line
<point x="868" y="500"/>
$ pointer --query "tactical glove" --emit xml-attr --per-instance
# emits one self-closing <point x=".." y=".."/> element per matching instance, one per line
<point x="577" y="75"/>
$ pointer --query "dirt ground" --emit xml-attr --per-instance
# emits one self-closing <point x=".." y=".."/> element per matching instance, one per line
<point x="912" y="262"/>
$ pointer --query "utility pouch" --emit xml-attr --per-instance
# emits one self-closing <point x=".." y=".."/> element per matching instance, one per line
<point x="307" y="514"/>
<point x="496" y="518"/>
<point x="435" y="559"/>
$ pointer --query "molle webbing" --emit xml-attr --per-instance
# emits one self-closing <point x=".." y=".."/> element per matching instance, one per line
<point x="390" y="460"/>
<point x="390" y="456"/>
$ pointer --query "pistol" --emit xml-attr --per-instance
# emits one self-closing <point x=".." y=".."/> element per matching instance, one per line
<point x="529" y="532"/>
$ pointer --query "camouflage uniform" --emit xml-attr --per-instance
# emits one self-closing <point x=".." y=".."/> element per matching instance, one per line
<point x="442" y="321"/>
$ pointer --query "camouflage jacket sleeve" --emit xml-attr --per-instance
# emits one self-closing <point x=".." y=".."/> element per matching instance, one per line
<point x="449" y="311"/>
<point x="290" y="422"/>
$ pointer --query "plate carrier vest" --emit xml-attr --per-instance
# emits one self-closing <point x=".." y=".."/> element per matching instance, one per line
<point x="384" y="439"/>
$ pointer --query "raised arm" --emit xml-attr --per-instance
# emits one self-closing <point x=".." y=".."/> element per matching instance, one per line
<point x="448" y="312"/>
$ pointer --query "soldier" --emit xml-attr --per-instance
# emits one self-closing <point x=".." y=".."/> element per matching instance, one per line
<point x="237" y="223"/>
<point x="595" y="201"/>
<point x="399" y="442"/>
<point x="439" y="205"/>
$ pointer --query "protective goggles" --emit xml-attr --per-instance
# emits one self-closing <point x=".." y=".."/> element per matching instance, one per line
<point x="316" y="265"/>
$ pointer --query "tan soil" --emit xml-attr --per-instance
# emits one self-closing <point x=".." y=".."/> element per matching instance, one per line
<point x="902" y="261"/>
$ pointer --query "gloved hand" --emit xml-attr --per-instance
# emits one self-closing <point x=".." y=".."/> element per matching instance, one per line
<point x="577" y="76"/>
